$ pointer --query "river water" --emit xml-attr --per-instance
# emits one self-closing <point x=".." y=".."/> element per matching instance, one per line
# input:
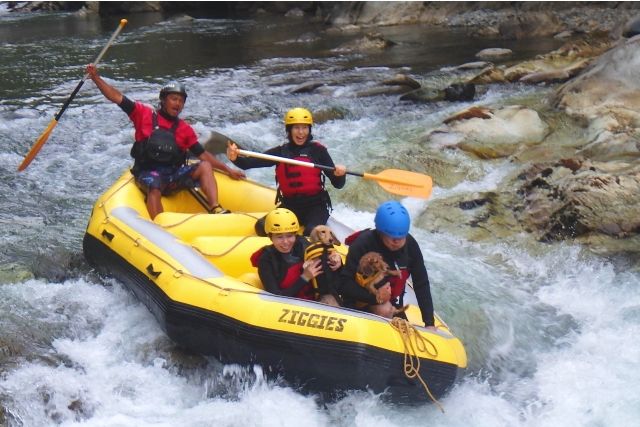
<point x="550" y="332"/>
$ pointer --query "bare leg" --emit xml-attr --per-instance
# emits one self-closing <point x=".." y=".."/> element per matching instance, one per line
<point x="204" y="174"/>
<point x="154" y="203"/>
<point x="329" y="299"/>
<point x="385" y="309"/>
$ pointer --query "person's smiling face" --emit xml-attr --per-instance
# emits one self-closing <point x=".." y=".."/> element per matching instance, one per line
<point x="283" y="242"/>
<point x="300" y="133"/>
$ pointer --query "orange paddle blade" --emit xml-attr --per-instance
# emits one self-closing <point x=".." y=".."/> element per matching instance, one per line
<point x="402" y="182"/>
<point x="38" y="145"/>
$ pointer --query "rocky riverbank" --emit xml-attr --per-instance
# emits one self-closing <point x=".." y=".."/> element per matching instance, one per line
<point x="575" y="153"/>
<point x="489" y="19"/>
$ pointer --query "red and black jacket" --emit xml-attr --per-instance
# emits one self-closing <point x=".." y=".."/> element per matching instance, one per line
<point x="281" y="274"/>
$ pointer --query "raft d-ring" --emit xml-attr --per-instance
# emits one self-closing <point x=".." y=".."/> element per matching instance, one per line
<point x="224" y="292"/>
<point x="178" y="273"/>
<point x="136" y="242"/>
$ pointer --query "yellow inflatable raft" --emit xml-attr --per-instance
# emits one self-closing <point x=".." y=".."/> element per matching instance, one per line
<point x="192" y="270"/>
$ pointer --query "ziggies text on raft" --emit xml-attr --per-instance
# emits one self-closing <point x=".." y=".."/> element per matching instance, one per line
<point x="312" y="320"/>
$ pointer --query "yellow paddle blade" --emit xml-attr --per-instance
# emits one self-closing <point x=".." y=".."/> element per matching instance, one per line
<point x="38" y="145"/>
<point x="402" y="182"/>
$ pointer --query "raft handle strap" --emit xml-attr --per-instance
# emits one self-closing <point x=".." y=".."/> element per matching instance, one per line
<point x="107" y="235"/>
<point x="152" y="272"/>
<point x="413" y="341"/>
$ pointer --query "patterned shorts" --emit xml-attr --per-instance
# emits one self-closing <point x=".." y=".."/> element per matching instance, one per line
<point x="167" y="179"/>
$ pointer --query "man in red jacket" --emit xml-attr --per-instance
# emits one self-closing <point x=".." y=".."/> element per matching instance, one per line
<point x="161" y="144"/>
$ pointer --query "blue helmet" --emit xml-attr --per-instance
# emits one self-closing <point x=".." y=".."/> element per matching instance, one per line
<point x="392" y="219"/>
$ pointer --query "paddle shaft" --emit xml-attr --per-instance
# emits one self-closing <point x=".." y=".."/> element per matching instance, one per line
<point x="323" y="167"/>
<point x="45" y="135"/>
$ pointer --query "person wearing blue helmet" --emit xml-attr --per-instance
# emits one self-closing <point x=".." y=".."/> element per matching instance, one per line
<point x="401" y="253"/>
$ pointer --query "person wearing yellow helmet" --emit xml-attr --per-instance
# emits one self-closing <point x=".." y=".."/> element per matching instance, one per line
<point x="300" y="189"/>
<point x="162" y="141"/>
<point x="281" y="265"/>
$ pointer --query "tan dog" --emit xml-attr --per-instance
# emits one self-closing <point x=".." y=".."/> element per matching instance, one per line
<point x="373" y="273"/>
<point x="323" y="234"/>
<point x="373" y="269"/>
<point x="322" y="245"/>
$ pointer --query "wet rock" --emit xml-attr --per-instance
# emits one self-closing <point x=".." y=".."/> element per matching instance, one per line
<point x="469" y="113"/>
<point x="499" y="135"/>
<point x="294" y="13"/>
<point x="473" y="65"/>
<point x="460" y="92"/>
<point x="607" y="84"/>
<point x="402" y="80"/>
<point x="560" y="203"/>
<point x="14" y="273"/>
<point x="554" y="76"/>
<point x="446" y="172"/>
<point x="44" y="6"/>
<point x="327" y="114"/>
<point x="531" y="24"/>
<point x="632" y="28"/>
<point x="563" y="35"/>
<point x="572" y="164"/>
<point x="344" y="29"/>
<point x="494" y="53"/>
<point x="612" y="146"/>
<point x="424" y="94"/>
<point x="489" y="74"/>
<point x="371" y="41"/>
<point x="58" y="265"/>
<point x="306" y="88"/>
<point x="606" y="96"/>
<point x="477" y="216"/>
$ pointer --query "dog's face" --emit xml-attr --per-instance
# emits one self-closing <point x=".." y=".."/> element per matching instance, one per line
<point x="371" y="264"/>
<point x="324" y="235"/>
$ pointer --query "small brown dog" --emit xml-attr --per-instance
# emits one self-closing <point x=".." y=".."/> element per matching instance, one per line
<point x="373" y="270"/>
<point x="323" y="242"/>
<point x="323" y="234"/>
<point x="373" y="273"/>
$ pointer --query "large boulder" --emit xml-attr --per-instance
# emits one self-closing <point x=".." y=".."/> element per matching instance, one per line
<point x="491" y="134"/>
<point x="573" y="198"/>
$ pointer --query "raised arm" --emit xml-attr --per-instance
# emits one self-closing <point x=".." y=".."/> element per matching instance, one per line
<point x="109" y="92"/>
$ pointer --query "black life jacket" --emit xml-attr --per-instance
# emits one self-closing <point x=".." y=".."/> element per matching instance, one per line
<point x="160" y="149"/>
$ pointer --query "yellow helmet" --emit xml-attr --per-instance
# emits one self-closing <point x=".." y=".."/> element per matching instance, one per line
<point x="281" y="220"/>
<point x="298" y="116"/>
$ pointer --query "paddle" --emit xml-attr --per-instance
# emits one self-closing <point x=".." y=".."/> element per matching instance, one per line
<point x="396" y="181"/>
<point x="45" y="135"/>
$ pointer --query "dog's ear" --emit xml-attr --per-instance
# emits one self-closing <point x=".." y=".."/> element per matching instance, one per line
<point x="335" y="239"/>
<point x="314" y="236"/>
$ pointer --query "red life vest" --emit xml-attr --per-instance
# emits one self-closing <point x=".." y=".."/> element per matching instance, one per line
<point x="353" y="236"/>
<point x="299" y="180"/>
<point x="291" y="276"/>
<point x="398" y="283"/>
